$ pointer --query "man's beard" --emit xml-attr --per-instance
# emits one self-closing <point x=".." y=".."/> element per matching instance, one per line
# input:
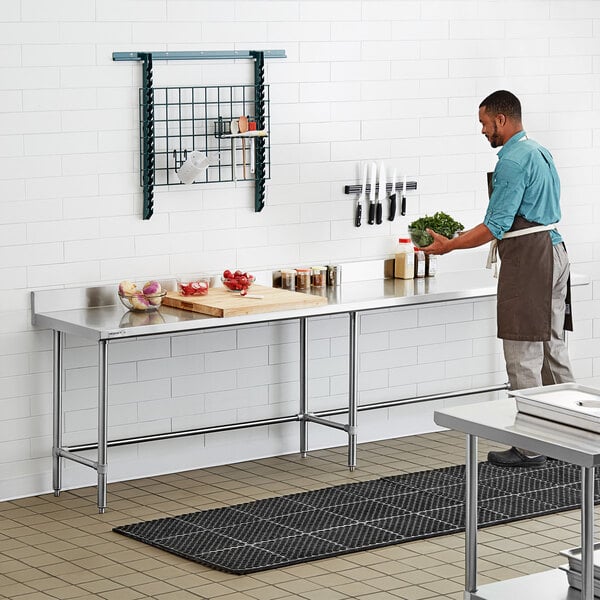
<point x="494" y="139"/>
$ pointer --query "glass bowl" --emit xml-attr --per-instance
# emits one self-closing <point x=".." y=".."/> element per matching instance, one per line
<point x="193" y="286"/>
<point x="141" y="302"/>
<point x="420" y="237"/>
<point x="238" y="284"/>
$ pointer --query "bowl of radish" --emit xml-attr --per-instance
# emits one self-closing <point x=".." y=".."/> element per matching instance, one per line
<point x="237" y="281"/>
<point x="193" y="286"/>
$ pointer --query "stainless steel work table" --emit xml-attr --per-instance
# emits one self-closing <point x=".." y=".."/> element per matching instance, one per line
<point x="96" y="314"/>
<point x="500" y="422"/>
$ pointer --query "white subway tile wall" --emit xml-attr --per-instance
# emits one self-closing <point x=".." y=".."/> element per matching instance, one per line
<point x="397" y="81"/>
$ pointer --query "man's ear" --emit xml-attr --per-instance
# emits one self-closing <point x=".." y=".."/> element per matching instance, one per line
<point x="501" y="119"/>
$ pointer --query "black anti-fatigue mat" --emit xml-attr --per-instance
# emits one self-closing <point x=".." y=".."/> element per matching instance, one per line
<point x="285" y="530"/>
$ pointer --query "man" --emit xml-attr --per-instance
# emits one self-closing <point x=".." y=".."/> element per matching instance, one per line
<point x="532" y="308"/>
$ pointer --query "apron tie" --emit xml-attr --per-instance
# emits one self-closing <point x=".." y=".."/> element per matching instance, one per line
<point x="492" y="258"/>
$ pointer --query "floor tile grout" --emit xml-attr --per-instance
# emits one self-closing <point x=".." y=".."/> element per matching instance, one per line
<point x="60" y="548"/>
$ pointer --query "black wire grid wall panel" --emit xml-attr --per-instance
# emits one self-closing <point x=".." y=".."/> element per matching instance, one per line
<point x="200" y="118"/>
<point x="175" y="121"/>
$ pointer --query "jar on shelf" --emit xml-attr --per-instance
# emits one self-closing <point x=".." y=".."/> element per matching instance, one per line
<point x="303" y="278"/>
<point x="318" y="277"/>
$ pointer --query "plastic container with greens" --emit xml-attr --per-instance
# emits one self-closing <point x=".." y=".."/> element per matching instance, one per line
<point x="440" y="223"/>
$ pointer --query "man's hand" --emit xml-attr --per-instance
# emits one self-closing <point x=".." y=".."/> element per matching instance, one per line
<point x="440" y="244"/>
<point x="479" y="235"/>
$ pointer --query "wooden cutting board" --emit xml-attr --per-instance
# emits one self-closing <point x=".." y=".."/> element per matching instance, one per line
<point x="220" y="302"/>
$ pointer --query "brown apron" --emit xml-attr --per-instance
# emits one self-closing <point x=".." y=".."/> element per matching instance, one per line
<point x="524" y="306"/>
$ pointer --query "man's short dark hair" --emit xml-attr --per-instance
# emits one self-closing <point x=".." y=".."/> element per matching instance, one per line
<point x="503" y="102"/>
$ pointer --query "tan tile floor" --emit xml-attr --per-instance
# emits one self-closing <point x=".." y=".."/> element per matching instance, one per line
<point x="61" y="548"/>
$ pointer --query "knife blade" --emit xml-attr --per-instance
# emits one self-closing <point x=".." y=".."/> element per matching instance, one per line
<point x="393" y="198"/>
<point x="373" y="183"/>
<point x="363" y="195"/>
<point x="403" y="203"/>
<point x="381" y="195"/>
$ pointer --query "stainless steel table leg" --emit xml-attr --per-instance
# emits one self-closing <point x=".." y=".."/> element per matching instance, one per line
<point x="57" y="353"/>
<point x="471" y="517"/>
<point x="102" y="422"/>
<point x="587" y="532"/>
<point x="353" y="392"/>
<point x="303" y="389"/>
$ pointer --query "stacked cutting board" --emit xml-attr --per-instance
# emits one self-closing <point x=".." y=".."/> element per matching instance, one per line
<point x="220" y="302"/>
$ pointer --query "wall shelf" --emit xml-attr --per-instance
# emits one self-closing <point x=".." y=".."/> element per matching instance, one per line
<point x="177" y="120"/>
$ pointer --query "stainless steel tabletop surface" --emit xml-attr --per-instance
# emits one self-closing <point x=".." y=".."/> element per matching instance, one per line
<point x="100" y="315"/>
<point x="96" y="313"/>
<point x="499" y="421"/>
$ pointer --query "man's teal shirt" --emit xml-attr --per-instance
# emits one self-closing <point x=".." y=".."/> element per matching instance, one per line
<point x="525" y="183"/>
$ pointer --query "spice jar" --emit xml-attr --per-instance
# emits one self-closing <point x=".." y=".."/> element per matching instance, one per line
<point x="430" y="265"/>
<point x="318" y="277"/>
<point x="303" y="279"/>
<point x="288" y="279"/>
<point x="419" y="262"/>
<point x="404" y="264"/>
<point x="334" y="275"/>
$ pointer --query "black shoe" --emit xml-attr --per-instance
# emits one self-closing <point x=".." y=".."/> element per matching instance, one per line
<point x="515" y="458"/>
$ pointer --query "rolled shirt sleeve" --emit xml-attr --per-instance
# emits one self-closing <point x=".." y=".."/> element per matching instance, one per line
<point x="509" y="182"/>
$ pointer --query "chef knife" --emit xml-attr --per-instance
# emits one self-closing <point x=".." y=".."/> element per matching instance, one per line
<point x="403" y="203"/>
<point x="393" y="198"/>
<point x="373" y="183"/>
<point x="381" y="195"/>
<point x="363" y="195"/>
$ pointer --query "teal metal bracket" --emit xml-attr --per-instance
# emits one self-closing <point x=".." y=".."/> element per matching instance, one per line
<point x="197" y="55"/>
<point x="147" y="139"/>
<point x="147" y="125"/>
<point x="259" y="103"/>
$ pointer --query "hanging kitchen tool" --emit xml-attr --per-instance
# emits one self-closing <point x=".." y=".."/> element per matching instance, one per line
<point x="403" y="203"/>
<point x="235" y="129"/>
<point x="381" y="196"/>
<point x="373" y="183"/>
<point x="243" y="125"/>
<point x="252" y="127"/>
<point x="392" y="213"/>
<point x="361" y="197"/>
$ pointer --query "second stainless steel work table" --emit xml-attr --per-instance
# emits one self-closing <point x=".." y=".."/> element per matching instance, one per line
<point x="96" y="314"/>
<point x="500" y="422"/>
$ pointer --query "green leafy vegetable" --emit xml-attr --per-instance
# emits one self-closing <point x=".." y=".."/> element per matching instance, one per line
<point x="440" y="223"/>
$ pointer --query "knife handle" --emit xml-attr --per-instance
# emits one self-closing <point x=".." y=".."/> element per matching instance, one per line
<point x="392" y="207"/>
<point x="379" y="213"/>
<point x="371" y="213"/>
<point x="357" y="219"/>
<point x="403" y="205"/>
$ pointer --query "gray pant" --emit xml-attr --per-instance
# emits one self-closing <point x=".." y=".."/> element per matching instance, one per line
<point x="532" y="364"/>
